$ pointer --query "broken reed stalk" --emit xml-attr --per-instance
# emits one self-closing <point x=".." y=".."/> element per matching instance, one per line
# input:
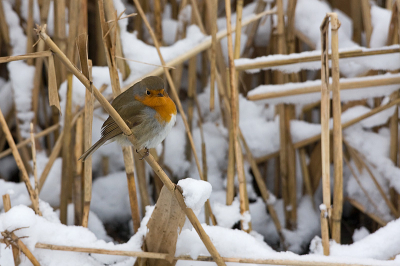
<point x="16" y="242"/>
<point x="361" y="208"/>
<point x="325" y="102"/>
<point x="27" y="141"/>
<point x="110" y="51"/>
<point x="265" y="193"/>
<point x="235" y="120"/>
<point x="7" y="59"/>
<point x="32" y="194"/>
<point x="337" y="208"/>
<point x="206" y="44"/>
<point x="149" y="159"/>
<point x="172" y="86"/>
<point x="34" y="168"/>
<point x="212" y="10"/>
<point x="15" y="250"/>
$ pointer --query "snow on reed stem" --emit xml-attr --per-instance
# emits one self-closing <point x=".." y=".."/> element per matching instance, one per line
<point x="235" y="122"/>
<point x="337" y="131"/>
<point x="32" y="194"/>
<point x="125" y="129"/>
<point x="20" y="246"/>
<point x="109" y="42"/>
<point x="325" y="102"/>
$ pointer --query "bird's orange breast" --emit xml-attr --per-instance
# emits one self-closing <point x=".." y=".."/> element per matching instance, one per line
<point x="164" y="107"/>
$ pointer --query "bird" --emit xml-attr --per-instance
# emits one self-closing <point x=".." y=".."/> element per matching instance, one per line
<point x="147" y="110"/>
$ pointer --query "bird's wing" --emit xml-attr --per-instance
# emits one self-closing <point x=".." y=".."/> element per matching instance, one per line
<point x="131" y="113"/>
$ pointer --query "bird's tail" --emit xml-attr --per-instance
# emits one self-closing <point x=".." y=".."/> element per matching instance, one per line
<point x="92" y="149"/>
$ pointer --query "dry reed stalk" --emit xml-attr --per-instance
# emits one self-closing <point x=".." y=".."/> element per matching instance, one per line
<point x="206" y="44"/>
<point x="32" y="194"/>
<point x="361" y="185"/>
<point x="53" y="156"/>
<point x="291" y="168"/>
<point x="125" y="129"/>
<point x="142" y="183"/>
<point x="357" y="20"/>
<point x="138" y="254"/>
<point x="208" y="211"/>
<point x="73" y="21"/>
<point x="17" y="244"/>
<point x="212" y="10"/>
<point x="83" y="17"/>
<point x="67" y="158"/>
<point x="175" y="96"/>
<point x="78" y="175"/>
<point x="337" y="208"/>
<point x="356" y="154"/>
<point x="116" y="38"/>
<point x="5" y="35"/>
<point x="366" y="16"/>
<point x="251" y="29"/>
<point x="306" y="175"/>
<point x="361" y="208"/>
<point x="238" y="30"/>
<point x="15" y="250"/>
<point x="6" y="59"/>
<point x="314" y="58"/>
<point x="52" y="85"/>
<point x="60" y="36"/>
<point x="27" y="141"/>
<point x="29" y="28"/>
<point x="325" y="102"/>
<point x="394" y="145"/>
<point x="191" y="91"/>
<point x="235" y="119"/>
<point x="290" y="31"/>
<point x="33" y="147"/>
<point x="265" y="193"/>
<point x="37" y="81"/>
<point x="344" y="85"/>
<point x="230" y="175"/>
<point x="157" y="20"/>
<point x="110" y="50"/>
<point x="129" y="168"/>
<point x="88" y="121"/>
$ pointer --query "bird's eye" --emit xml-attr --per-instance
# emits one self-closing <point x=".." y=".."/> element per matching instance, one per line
<point x="147" y="92"/>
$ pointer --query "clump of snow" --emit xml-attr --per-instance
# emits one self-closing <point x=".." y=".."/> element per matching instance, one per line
<point x="360" y="233"/>
<point x="227" y="215"/>
<point x="195" y="192"/>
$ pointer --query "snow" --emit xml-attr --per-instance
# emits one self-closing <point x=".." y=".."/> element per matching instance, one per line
<point x="195" y="192"/>
<point x="360" y="233"/>
<point x="306" y="98"/>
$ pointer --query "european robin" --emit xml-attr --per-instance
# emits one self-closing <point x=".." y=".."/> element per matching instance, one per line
<point x="147" y="110"/>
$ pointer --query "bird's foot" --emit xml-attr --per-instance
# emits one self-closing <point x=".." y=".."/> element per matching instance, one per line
<point x="147" y="152"/>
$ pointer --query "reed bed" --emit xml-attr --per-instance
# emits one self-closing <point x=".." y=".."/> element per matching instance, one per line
<point x="294" y="170"/>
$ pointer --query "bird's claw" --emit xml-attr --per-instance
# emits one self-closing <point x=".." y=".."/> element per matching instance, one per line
<point x="145" y="154"/>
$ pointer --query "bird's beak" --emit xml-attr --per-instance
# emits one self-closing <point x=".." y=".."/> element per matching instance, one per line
<point x="160" y="95"/>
